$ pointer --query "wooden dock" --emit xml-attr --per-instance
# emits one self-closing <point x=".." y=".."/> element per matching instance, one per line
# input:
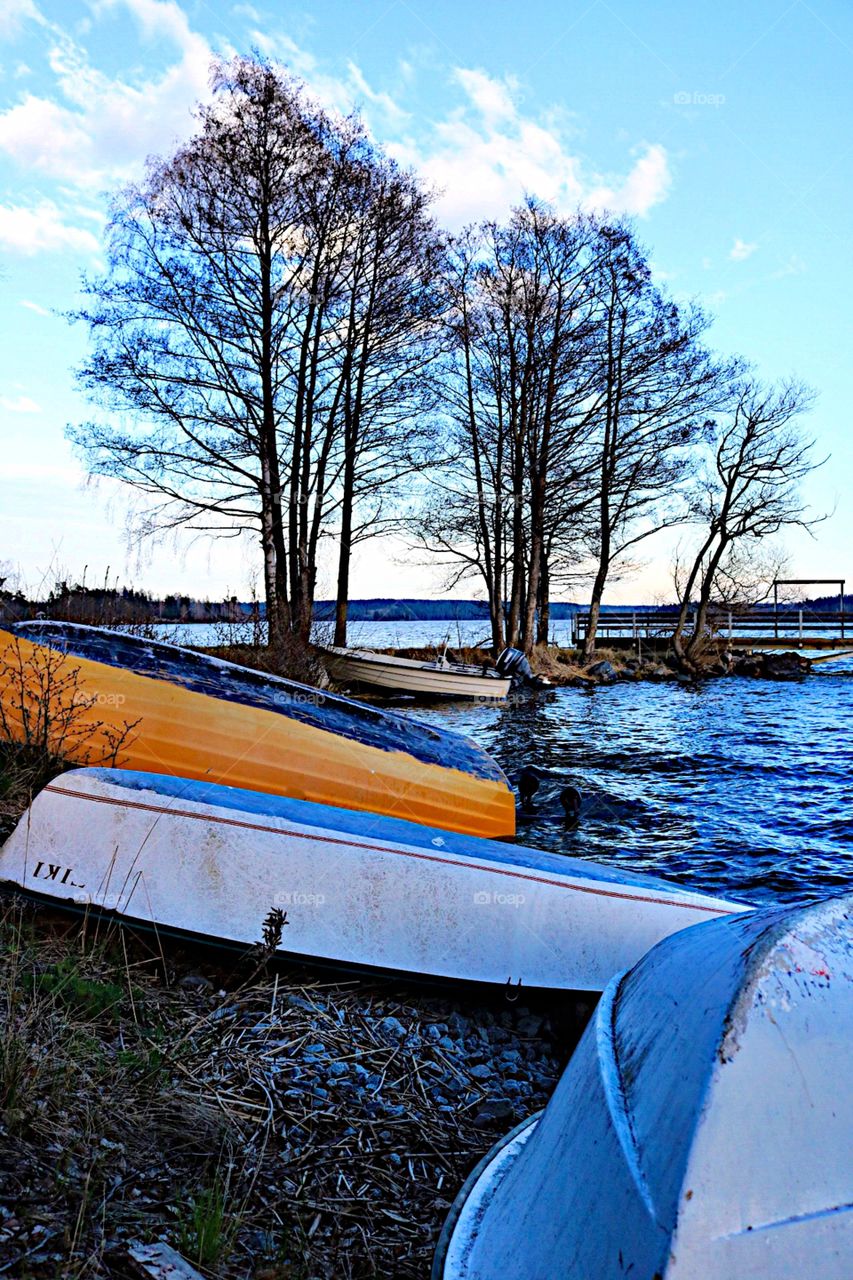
<point x="787" y="628"/>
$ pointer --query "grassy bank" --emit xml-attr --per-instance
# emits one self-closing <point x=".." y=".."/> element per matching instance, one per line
<point x="266" y="1124"/>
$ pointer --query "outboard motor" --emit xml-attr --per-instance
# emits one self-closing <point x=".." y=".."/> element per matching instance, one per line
<point x="512" y="662"/>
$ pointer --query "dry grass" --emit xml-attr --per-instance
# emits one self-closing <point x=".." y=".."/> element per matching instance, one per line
<point x="296" y="661"/>
<point x="265" y="1124"/>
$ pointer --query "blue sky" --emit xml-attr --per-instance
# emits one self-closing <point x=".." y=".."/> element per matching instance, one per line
<point x="724" y="128"/>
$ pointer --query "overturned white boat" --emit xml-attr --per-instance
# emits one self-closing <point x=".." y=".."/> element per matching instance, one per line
<point x="438" y="679"/>
<point x="358" y="889"/>
<point x="703" y="1128"/>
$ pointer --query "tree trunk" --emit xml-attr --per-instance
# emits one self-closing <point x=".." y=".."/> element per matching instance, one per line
<point x="595" y="608"/>
<point x="276" y="618"/>
<point x="516" y="599"/>
<point x="678" y="647"/>
<point x="533" y="580"/>
<point x="275" y="573"/>
<point x="342" y="602"/>
<point x="608" y="469"/>
<point x="705" y="599"/>
<point x="537" y="551"/>
<point x="544" y="602"/>
<point x="345" y="557"/>
<point x="601" y="575"/>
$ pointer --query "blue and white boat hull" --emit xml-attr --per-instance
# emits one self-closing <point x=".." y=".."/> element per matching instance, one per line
<point x="358" y="889"/>
<point x="703" y="1128"/>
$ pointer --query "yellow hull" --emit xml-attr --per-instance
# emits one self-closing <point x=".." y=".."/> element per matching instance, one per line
<point x="93" y="713"/>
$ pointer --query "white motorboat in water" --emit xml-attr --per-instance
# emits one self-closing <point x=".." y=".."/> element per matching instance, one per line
<point x="359" y="890"/>
<point x="439" y="679"/>
<point x="703" y="1128"/>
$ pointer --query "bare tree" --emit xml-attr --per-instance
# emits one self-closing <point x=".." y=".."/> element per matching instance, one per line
<point x="393" y="309"/>
<point x="656" y="389"/>
<point x="263" y="323"/>
<point x="188" y="328"/>
<point x="466" y="522"/>
<point x="749" y="492"/>
<point x="577" y="393"/>
<point x="518" y="381"/>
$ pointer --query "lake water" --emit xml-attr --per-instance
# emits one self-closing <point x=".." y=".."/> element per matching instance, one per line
<point x="369" y="635"/>
<point x="740" y="786"/>
<point x="400" y="635"/>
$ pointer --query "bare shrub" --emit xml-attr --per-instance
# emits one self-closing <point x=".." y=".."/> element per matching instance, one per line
<point x="48" y="721"/>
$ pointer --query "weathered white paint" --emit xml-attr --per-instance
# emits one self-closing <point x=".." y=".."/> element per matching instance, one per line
<point x="406" y="675"/>
<point x="358" y="889"/>
<point x="703" y="1128"/>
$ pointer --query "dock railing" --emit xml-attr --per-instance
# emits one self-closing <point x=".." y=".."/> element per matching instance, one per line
<point x="797" y="623"/>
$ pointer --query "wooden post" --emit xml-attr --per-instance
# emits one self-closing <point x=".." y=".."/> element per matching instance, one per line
<point x="730" y="624"/>
<point x="776" y="609"/>
<point x="801" y="626"/>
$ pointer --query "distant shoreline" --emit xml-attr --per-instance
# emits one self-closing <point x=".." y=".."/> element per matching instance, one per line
<point x="93" y="605"/>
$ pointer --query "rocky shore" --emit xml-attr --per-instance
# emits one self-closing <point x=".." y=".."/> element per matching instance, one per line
<point x="264" y="1123"/>
<point x="619" y="666"/>
<point x="564" y="667"/>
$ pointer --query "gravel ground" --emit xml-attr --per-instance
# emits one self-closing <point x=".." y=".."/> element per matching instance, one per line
<point x="266" y="1124"/>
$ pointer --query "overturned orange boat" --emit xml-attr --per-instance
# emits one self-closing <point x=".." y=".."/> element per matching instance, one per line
<point x="101" y="697"/>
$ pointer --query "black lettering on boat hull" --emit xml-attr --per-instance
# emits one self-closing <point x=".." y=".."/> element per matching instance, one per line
<point x="51" y="871"/>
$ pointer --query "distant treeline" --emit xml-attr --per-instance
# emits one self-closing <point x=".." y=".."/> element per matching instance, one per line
<point x="109" y="606"/>
<point x="389" y="610"/>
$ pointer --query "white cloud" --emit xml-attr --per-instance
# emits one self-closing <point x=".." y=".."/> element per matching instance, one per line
<point x="484" y="155"/>
<point x="492" y="98"/>
<point x="646" y="185"/>
<point x="34" y="306"/>
<point x="383" y="101"/>
<point x="279" y="45"/>
<point x="41" y="228"/>
<point x="487" y="154"/>
<point x="99" y="129"/>
<point x="14" y="14"/>
<point x="41" y="134"/>
<point x="740" y="251"/>
<point x="338" y="93"/>
<point x="20" y="404"/>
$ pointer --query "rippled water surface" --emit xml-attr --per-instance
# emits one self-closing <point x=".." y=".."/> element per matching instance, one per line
<point x="740" y="786"/>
